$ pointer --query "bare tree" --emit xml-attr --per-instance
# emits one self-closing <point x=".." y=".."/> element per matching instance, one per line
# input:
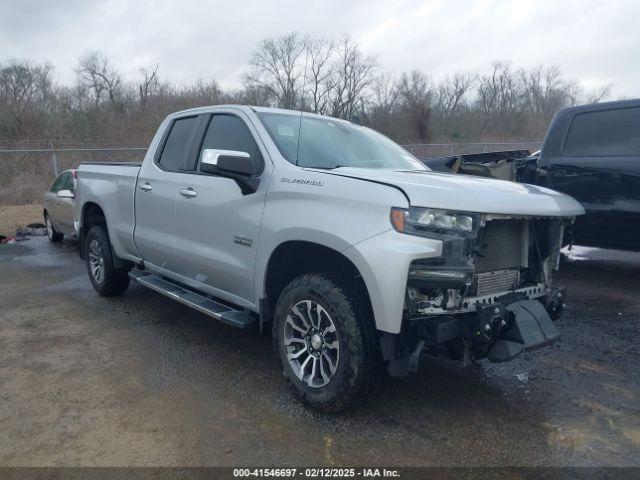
<point x="23" y="83"/>
<point x="291" y="71"/>
<point x="544" y="91"/>
<point x="202" y="93"/>
<point x="252" y="95"/>
<point x="416" y="97"/>
<point x="319" y="72"/>
<point x="26" y="99"/>
<point x="353" y="72"/>
<point x="382" y="104"/>
<point x="97" y="74"/>
<point x="278" y="66"/>
<point x="599" y="94"/>
<point x="148" y="86"/>
<point x="45" y="85"/>
<point x="451" y="93"/>
<point x="498" y="94"/>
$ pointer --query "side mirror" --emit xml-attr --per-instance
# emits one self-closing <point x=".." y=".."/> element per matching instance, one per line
<point x="65" y="194"/>
<point x="232" y="164"/>
<point x="229" y="161"/>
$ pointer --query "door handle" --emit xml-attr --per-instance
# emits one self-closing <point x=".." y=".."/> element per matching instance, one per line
<point x="188" y="192"/>
<point x="145" y="186"/>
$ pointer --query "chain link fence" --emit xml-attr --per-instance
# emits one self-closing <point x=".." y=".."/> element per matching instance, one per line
<point x="25" y="173"/>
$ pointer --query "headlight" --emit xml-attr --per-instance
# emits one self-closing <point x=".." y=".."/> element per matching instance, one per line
<point x="426" y="221"/>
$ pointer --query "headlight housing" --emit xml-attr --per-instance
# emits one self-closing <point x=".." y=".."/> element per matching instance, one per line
<point x="426" y="222"/>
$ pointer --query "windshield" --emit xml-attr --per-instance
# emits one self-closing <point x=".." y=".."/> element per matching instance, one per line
<point x="329" y="143"/>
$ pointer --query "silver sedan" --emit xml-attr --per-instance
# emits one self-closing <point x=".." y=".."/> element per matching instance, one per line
<point x="59" y="207"/>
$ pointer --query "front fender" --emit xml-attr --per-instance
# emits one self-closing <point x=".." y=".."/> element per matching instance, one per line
<point x="383" y="261"/>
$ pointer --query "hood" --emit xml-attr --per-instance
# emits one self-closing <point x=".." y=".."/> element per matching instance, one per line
<point x="465" y="193"/>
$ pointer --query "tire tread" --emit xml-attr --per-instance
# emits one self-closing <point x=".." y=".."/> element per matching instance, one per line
<point x="116" y="280"/>
<point x="359" y="337"/>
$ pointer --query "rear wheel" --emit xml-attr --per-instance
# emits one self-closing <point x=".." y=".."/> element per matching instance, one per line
<point x="53" y="236"/>
<point x="107" y="280"/>
<point x="326" y="342"/>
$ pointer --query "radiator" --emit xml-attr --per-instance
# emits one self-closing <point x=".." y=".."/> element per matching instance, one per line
<point x="503" y="246"/>
<point x="498" y="281"/>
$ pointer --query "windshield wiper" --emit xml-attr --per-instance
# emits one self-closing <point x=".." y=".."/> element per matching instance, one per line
<point x="328" y="168"/>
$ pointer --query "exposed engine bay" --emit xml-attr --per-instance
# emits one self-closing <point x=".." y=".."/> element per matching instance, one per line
<point x="488" y="295"/>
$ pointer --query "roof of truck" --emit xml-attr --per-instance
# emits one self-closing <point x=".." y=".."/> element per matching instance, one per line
<point x="209" y="108"/>
<point x="632" y="102"/>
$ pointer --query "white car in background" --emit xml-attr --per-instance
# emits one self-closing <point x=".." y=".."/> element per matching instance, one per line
<point x="59" y="207"/>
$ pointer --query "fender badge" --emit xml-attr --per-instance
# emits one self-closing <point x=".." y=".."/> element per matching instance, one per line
<point x="242" y="240"/>
<point x="301" y="181"/>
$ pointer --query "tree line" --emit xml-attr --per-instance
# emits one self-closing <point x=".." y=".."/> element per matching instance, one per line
<point x="326" y="76"/>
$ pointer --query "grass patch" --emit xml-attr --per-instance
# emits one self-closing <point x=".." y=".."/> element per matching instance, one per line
<point x="14" y="216"/>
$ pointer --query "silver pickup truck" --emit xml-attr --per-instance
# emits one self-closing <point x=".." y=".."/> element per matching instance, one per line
<point x="354" y="254"/>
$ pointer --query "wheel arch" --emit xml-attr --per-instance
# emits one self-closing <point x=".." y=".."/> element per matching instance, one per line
<point x="92" y="214"/>
<point x="296" y="257"/>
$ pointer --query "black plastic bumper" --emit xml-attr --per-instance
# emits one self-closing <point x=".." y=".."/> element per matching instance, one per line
<point x="530" y="328"/>
<point x="499" y="331"/>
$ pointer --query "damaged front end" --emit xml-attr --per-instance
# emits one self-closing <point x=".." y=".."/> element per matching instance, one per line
<point x="488" y="295"/>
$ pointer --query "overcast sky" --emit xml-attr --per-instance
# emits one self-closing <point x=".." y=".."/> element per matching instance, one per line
<point x="594" y="42"/>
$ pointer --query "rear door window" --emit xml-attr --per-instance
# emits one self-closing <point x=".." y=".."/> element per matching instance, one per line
<point x="178" y="144"/>
<point x="605" y="133"/>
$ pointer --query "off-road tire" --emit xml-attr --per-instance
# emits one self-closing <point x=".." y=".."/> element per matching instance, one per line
<point x="113" y="281"/>
<point x="52" y="235"/>
<point x="358" y="366"/>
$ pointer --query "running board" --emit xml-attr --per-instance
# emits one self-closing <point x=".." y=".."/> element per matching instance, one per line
<point x="235" y="318"/>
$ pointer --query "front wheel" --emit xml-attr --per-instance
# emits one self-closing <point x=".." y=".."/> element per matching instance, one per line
<point x="326" y="341"/>
<point x="106" y="279"/>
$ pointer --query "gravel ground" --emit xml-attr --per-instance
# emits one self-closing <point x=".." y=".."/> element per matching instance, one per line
<point x="142" y="380"/>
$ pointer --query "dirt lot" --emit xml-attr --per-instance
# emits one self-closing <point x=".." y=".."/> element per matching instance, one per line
<point x="142" y="380"/>
<point x="13" y="216"/>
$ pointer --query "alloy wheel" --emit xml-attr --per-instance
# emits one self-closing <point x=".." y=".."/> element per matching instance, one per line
<point x="47" y="221"/>
<point x="96" y="260"/>
<point x="311" y="341"/>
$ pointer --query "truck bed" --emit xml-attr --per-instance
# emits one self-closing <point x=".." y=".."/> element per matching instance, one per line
<point x="121" y="164"/>
<point x="111" y="186"/>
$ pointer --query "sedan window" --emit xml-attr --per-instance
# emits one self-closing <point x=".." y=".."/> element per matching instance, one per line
<point x="61" y="183"/>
